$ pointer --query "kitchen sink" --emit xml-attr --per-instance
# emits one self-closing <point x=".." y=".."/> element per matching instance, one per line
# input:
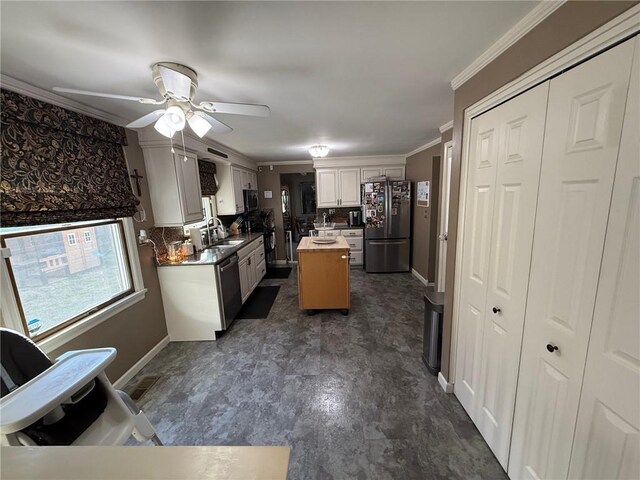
<point x="229" y="243"/>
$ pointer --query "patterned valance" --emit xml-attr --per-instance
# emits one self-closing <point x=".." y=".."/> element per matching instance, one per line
<point x="59" y="166"/>
<point x="208" y="180"/>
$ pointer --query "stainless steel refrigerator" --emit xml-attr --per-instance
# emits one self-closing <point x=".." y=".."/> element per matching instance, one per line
<point x="387" y="213"/>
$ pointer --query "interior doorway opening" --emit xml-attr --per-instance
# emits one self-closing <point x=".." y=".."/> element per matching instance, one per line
<point x="298" y="203"/>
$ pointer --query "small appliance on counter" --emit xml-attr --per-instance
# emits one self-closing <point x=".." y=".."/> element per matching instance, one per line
<point x="196" y="239"/>
<point x="355" y="218"/>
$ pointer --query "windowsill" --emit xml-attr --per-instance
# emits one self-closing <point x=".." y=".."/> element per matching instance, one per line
<point x="72" y="331"/>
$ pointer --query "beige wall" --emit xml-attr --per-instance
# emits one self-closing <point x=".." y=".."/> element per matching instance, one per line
<point x="570" y="22"/>
<point x="140" y="327"/>
<point x="270" y="180"/>
<point x="424" y="165"/>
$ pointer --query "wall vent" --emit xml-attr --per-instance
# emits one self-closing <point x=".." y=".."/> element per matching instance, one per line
<point x="216" y="152"/>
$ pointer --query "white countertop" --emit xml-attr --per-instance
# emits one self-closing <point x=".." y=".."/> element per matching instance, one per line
<point x="133" y="462"/>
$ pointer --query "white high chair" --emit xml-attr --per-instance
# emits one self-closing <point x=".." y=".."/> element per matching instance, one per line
<point x="52" y="394"/>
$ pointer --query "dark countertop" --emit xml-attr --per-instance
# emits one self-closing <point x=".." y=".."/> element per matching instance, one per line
<point x="213" y="255"/>
<point x="347" y="227"/>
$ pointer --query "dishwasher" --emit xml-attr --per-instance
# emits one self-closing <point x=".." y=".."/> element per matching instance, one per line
<point x="228" y="279"/>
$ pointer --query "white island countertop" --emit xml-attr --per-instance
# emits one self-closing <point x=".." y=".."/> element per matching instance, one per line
<point x="139" y="463"/>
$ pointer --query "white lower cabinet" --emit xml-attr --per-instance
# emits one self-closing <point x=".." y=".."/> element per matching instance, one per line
<point x="548" y="349"/>
<point x="252" y="267"/>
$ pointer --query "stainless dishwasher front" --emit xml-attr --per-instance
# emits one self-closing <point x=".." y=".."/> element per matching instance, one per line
<point x="228" y="277"/>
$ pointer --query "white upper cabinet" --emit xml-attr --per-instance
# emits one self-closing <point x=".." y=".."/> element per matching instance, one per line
<point x="349" y="187"/>
<point x="174" y="187"/>
<point x="327" y="187"/>
<point x="394" y="173"/>
<point x="369" y="173"/>
<point x="229" y="200"/>
<point x="338" y="187"/>
<point x="249" y="180"/>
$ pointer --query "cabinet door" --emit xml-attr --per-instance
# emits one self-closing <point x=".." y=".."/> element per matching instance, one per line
<point x="236" y="174"/>
<point x="582" y="135"/>
<point x="394" y="173"/>
<point x="245" y="289"/>
<point x="188" y="179"/>
<point x="607" y="440"/>
<point x="327" y="187"/>
<point x="252" y="271"/>
<point x="349" y="187"/>
<point x="370" y="172"/>
<point x="246" y="179"/>
<point x="253" y="181"/>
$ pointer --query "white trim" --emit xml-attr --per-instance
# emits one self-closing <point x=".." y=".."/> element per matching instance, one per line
<point x="67" y="334"/>
<point x="284" y="162"/>
<point x="515" y="33"/>
<point x="446" y="126"/>
<point x="446" y="386"/>
<point x="415" y="273"/>
<point x="24" y="88"/>
<point x="386" y="160"/>
<point x="140" y="364"/>
<point x="621" y="27"/>
<point x="432" y="143"/>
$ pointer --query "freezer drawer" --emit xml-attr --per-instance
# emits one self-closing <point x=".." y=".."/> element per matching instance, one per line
<point x="387" y="255"/>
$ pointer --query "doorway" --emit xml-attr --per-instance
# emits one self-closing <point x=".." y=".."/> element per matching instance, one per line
<point x="298" y="203"/>
<point x="443" y="228"/>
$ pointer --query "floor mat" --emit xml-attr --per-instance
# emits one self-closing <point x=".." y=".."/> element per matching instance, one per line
<point x="278" y="272"/>
<point x="259" y="303"/>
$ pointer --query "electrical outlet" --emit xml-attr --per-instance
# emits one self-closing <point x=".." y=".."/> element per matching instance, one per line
<point x="332" y="211"/>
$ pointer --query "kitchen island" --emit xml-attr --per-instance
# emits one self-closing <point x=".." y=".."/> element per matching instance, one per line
<point x="323" y="275"/>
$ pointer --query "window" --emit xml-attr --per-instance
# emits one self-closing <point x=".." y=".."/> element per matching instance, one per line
<point x="56" y="284"/>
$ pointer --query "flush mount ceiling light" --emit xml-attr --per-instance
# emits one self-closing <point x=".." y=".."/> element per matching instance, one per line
<point x="319" y="151"/>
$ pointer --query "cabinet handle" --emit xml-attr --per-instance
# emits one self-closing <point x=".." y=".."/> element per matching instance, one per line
<point x="345" y="256"/>
<point x="551" y="348"/>
<point x="496" y="310"/>
<point x="249" y="261"/>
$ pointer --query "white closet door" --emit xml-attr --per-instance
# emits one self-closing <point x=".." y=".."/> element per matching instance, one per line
<point x="520" y="153"/>
<point x="584" y="123"/>
<point x="483" y="161"/>
<point x="607" y="443"/>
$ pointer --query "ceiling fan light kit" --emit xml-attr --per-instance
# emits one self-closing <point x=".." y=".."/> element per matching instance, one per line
<point x="178" y="84"/>
<point x="319" y="151"/>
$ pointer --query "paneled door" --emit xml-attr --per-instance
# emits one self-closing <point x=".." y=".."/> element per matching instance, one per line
<point x="582" y="136"/>
<point x="607" y="442"/>
<point x="327" y="187"/>
<point x="349" y="180"/>
<point x="498" y="256"/>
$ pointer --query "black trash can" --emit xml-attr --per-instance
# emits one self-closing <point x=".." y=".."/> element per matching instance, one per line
<point x="432" y="338"/>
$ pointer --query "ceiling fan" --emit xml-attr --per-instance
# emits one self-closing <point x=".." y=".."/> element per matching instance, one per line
<point x="178" y="84"/>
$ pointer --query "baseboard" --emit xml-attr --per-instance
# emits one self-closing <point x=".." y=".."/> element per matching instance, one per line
<point x="139" y="365"/>
<point x="419" y="277"/>
<point x="446" y="386"/>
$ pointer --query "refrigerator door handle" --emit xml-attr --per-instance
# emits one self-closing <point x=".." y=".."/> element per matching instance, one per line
<point x="387" y="242"/>
<point x="387" y="207"/>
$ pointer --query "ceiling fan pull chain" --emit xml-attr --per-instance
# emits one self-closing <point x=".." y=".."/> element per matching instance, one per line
<point x="184" y="150"/>
<point x="173" y="150"/>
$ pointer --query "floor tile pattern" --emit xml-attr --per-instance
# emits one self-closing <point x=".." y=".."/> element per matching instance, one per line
<point x="349" y="395"/>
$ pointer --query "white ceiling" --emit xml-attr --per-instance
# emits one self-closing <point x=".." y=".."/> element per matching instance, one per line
<point x="364" y="78"/>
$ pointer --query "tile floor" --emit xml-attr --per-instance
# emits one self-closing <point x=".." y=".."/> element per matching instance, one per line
<point x="349" y="395"/>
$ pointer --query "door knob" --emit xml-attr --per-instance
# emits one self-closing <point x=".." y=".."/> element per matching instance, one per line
<point x="551" y="348"/>
<point x="496" y="310"/>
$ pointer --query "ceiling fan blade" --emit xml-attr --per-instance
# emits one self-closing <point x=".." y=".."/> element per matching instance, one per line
<point x="148" y="119"/>
<point x="236" y="108"/>
<point x="216" y="125"/>
<point x="175" y="83"/>
<point x="149" y="101"/>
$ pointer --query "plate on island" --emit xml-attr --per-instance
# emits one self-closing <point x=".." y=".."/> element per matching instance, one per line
<point x="322" y="240"/>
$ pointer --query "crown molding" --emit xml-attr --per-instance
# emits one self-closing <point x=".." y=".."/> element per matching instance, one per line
<point x="446" y="126"/>
<point x="519" y="30"/>
<point x="364" y="161"/>
<point x="284" y="162"/>
<point x="38" y="93"/>
<point x="432" y="143"/>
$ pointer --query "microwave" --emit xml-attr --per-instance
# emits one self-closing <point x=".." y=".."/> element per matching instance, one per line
<point x="250" y="200"/>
